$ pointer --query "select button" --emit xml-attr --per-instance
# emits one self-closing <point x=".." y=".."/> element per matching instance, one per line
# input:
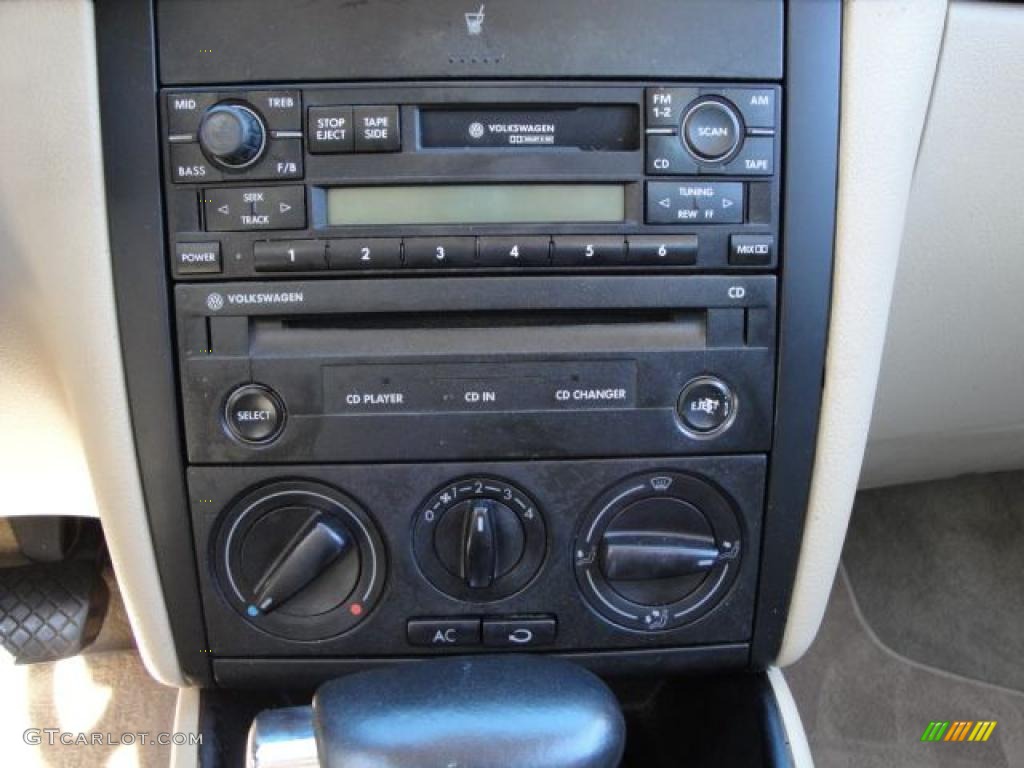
<point x="254" y="414"/>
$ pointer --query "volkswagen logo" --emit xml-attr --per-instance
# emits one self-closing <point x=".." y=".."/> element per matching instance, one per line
<point x="214" y="301"/>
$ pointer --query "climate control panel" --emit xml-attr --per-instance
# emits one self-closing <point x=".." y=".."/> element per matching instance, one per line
<point x="361" y="561"/>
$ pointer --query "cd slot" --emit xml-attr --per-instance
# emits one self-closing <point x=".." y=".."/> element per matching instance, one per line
<point x="462" y="333"/>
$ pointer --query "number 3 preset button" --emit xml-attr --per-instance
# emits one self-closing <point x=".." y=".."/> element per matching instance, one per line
<point x="582" y="251"/>
<point x="440" y="252"/>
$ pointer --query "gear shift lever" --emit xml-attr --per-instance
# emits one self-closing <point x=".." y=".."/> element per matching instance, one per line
<point x="471" y="712"/>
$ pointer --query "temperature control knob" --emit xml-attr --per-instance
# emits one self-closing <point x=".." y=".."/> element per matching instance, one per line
<point x="479" y="539"/>
<point x="658" y="550"/>
<point x="232" y="135"/>
<point x="300" y="560"/>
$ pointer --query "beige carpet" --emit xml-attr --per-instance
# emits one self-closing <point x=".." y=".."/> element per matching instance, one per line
<point x="104" y="691"/>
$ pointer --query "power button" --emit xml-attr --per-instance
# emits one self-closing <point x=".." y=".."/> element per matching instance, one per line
<point x="254" y="414"/>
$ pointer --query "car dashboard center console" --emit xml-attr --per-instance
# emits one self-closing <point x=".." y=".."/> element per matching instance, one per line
<point x="453" y="330"/>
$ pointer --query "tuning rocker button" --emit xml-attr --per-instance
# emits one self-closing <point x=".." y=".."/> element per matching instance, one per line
<point x="232" y="135"/>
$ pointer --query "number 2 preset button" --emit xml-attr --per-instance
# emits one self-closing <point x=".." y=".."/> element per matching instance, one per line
<point x="582" y="251"/>
<point x="440" y="252"/>
<point x="365" y="253"/>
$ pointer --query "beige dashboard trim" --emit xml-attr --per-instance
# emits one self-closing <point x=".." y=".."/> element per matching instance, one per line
<point x="890" y="51"/>
<point x="60" y="353"/>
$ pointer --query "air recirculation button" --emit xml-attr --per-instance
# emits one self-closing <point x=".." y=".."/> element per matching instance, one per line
<point x="657" y="551"/>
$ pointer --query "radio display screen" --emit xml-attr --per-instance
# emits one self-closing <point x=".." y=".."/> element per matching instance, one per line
<point x="476" y="204"/>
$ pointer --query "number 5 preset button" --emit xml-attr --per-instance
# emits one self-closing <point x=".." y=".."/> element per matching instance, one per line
<point x="440" y="252"/>
<point x="582" y="251"/>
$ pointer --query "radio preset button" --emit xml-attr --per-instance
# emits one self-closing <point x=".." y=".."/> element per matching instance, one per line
<point x="365" y="253"/>
<point x="575" y="251"/>
<point x="514" y="251"/>
<point x="254" y="414"/>
<point x="711" y="130"/>
<point x="329" y="129"/>
<point x="706" y="406"/>
<point x="189" y="165"/>
<point x="289" y="256"/>
<point x="197" y="258"/>
<point x="665" y="106"/>
<point x="376" y="129"/>
<point x="440" y="252"/>
<point x="651" y="250"/>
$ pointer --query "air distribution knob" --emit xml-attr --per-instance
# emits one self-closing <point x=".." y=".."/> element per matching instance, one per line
<point x="232" y="135"/>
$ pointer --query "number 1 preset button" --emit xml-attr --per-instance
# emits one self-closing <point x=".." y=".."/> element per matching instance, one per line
<point x="440" y="252"/>
<point x="365" y="253"/>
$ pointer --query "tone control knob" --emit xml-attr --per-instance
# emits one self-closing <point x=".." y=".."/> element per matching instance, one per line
<point x="300" y="560"/>
<point x="711" y="130"/>
<point x="479" y="539"/>
<point x="232" y="135"/>
<point x="657" y="551"/>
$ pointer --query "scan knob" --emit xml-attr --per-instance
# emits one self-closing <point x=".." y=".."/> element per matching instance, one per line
<point x="232" y="135"/>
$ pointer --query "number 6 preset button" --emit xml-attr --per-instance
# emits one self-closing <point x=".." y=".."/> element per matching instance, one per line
<point x="652" y="250"/>
<point x="365" y="253"/>
<point x="440" y="252"/>
<point x="582" y="251"/>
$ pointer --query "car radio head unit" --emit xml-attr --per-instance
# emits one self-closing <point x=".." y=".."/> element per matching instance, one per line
<point x="441" y="179"/>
